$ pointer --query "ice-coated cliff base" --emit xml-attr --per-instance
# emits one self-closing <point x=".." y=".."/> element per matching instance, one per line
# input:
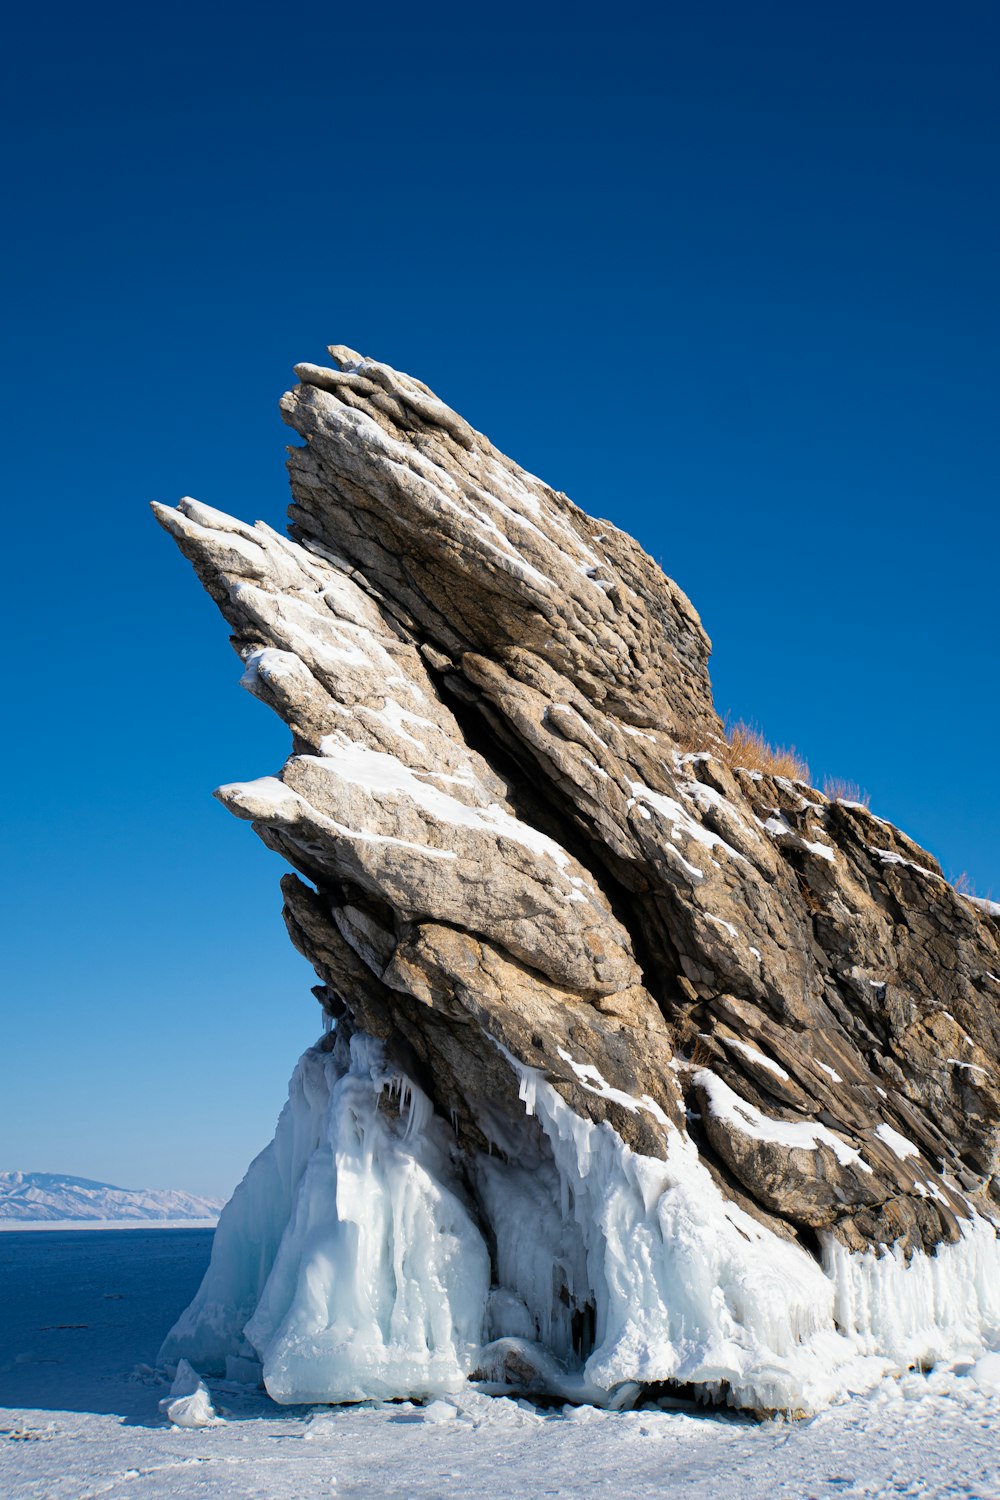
<point x="347" y="1260"/>
<point x="357" y="1259"/>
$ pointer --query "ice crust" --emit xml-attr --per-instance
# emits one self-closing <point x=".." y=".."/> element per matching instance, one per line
<point x="352" y="1261"/>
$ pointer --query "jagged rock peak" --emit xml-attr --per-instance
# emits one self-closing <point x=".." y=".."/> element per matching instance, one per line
<point x="681" y="1023"/>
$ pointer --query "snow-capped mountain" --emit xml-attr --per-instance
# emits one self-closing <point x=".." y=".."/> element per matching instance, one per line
<point x="42" y="1197"/>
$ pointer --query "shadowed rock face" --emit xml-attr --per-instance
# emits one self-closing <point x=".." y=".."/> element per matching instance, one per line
<point x="516" y="837"/>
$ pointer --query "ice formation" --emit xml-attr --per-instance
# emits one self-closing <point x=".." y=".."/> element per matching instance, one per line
<point x="347" y="1261"/>
<point x="351" y="1263"/>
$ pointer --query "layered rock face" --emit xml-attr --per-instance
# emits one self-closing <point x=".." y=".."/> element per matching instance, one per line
<point x="644" y="1058"/>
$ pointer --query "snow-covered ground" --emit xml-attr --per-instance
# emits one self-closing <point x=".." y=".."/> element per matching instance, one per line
<point x="83" y="1316"/>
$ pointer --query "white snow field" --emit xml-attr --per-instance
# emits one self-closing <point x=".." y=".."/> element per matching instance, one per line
<point x="80" y="1415"/>
<point x="350" y="1266"/>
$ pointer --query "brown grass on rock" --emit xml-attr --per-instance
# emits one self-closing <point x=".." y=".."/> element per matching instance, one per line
<point x="746" y="748"/>
<point x="837" y="790"/>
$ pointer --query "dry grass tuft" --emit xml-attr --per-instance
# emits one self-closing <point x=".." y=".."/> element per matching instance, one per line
<point x="836" y="790"/>
<point x="745" y="747"/>
<point x="966" y="886"/>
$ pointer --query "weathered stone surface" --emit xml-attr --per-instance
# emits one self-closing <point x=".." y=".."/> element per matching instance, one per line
<point x="507" y="797"/>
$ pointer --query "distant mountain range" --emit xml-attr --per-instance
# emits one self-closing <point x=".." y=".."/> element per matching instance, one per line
<point x="44" y="1197"/>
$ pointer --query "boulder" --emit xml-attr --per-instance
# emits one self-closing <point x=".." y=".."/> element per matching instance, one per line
<point x="527" y="870"/>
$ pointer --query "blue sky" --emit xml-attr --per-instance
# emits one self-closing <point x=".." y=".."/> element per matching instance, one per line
<point x="725" y="273"/>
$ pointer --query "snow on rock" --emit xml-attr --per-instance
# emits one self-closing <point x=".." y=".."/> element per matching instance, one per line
<point x="753" y="1055"/>
<point x="897" y="1143"/>
<point x="743" y="1117"/>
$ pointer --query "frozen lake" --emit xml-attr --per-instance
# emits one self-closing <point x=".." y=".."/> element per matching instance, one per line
<point x="82" y="1307"/>
<point x="83" y="1312"/>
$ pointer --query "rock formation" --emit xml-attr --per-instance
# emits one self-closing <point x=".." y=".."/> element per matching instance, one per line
<point x="638" y="1062"/>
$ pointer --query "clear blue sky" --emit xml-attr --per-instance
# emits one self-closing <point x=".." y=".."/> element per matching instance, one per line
<point x="724" y="272"/>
